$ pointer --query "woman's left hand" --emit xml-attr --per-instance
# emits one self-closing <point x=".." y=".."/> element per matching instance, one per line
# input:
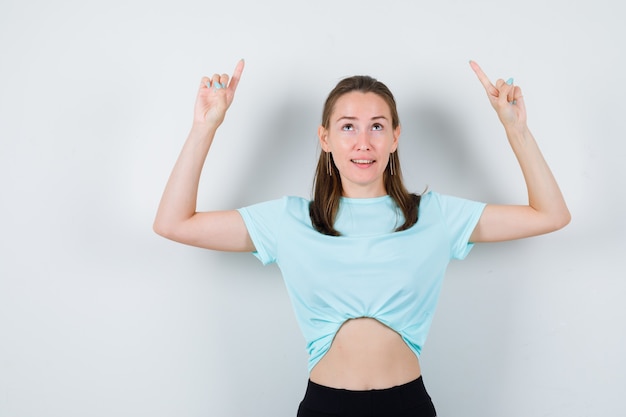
<point x="506" y="99"/>
<point x="546" y="210"/>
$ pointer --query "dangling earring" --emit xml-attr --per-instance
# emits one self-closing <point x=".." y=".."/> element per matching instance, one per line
<point x="329" y="167"/>
<point x="392" y="165"/>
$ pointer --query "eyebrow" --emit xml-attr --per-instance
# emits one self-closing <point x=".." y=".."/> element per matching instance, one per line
<point x="355" y="118"/>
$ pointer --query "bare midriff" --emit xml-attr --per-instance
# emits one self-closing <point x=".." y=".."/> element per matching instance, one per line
<point x="366" y="354"/>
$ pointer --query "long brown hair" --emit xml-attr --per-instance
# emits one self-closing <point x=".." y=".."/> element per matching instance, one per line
<point x="327" y="188"/>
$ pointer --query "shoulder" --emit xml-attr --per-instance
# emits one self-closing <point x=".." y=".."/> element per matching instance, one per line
<point x="448" y="205"/>
<point x="434" y="198"/>
<point x="428" y="200"/>
<point x="289" y="204"/>
<point x="296" y="201"/>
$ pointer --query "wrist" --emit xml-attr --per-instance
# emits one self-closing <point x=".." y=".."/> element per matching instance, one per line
<point x="204" y="127"/>
<point x="519" y="135"/>
<point x="517" y="129"/>
<point x="201" y="133"/>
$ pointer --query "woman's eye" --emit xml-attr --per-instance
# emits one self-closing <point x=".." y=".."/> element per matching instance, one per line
<point x="377" y="127"/>
<point x="347" y="127"/>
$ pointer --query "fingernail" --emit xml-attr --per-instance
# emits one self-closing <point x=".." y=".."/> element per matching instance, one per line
<point x="217" y="86"/>
<point x="514" y="102"/>
<point x="509" y="81"/>
<point x="208" y="84"/>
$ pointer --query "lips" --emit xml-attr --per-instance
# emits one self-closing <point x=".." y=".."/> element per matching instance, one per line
<point x="362" y="161"/>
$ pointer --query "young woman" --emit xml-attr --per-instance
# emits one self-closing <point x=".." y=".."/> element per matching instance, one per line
<point x="364" y="260"/>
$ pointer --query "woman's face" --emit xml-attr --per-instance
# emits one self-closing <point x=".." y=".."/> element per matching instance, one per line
<point x="360" y="138"/>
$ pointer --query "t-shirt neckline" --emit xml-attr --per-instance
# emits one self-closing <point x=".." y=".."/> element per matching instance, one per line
<point x="367" y="200"/>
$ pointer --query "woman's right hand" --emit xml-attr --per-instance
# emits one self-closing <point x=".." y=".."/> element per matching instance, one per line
<point x="215" y="96"/>
<point x="177" y="217"/>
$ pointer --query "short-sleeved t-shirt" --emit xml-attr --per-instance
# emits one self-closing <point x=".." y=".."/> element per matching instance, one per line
<point x="370" y="270"/>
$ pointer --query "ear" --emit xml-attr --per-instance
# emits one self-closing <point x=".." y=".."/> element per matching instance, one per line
<point x="322" y="134"/>
<point x="396" y="137"/>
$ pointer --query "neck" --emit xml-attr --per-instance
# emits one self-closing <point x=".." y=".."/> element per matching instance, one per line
<point x="363" y="191"/>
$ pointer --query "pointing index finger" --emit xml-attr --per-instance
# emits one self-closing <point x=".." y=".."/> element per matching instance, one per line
<point x="484" y="80"/>
<point x="234" y="81"/>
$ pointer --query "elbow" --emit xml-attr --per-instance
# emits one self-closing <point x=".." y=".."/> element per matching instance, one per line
<point x="562" y="219"/>
<point x="163" y="229"/>
<point x="567" y="218"/>
<point x="173" y="228"/>
<point x="158" y="228"/>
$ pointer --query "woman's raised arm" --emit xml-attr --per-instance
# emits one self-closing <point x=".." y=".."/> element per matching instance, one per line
<point x="546" y="210"/>
<point x="177" y="218"/>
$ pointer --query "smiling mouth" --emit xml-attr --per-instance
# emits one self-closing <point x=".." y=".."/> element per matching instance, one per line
<point x="362" y="161"/>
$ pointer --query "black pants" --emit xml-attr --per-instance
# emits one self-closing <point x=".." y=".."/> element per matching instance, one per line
<point x="408" y="400"/>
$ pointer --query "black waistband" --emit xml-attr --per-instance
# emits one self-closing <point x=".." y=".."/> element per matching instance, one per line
<point x="409" y="396"/>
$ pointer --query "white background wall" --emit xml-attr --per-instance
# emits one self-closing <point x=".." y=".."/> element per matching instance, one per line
<point x="101" y="317"/>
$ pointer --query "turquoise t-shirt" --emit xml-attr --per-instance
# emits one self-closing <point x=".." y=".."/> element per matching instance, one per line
<point x="368" y="271"/>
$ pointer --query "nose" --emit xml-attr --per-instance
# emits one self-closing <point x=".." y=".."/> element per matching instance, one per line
<point x="363" y="142"/>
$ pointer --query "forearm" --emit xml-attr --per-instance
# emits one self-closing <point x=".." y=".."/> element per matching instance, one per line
<point x="544" y="194"/>
<point x="179" y="199"/>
